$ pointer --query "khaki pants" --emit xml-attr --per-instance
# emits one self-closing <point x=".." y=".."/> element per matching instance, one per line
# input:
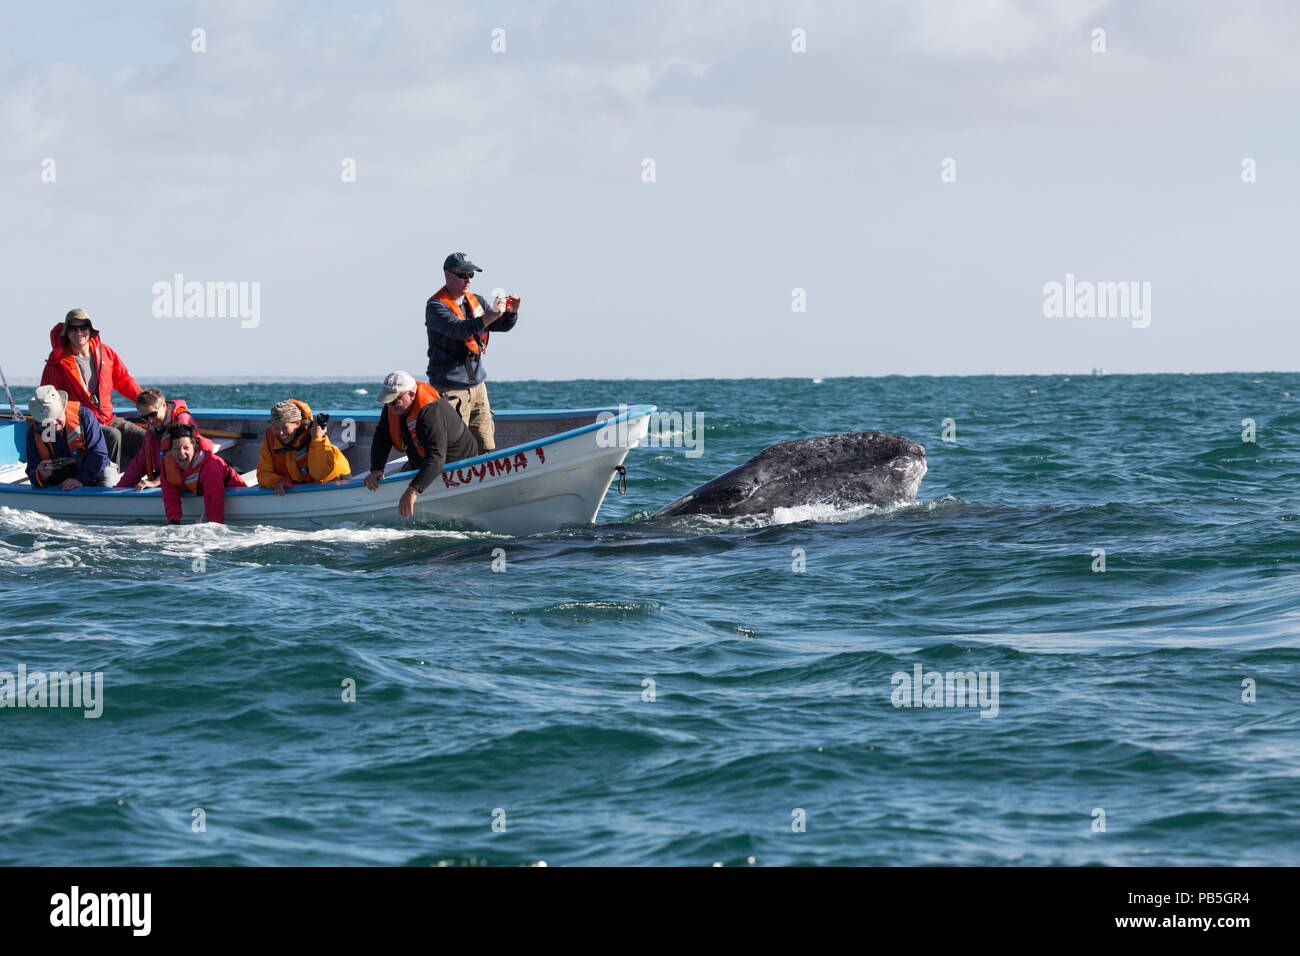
<point x="472" y="406"/>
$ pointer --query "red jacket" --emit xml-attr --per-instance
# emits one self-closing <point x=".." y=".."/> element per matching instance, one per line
<point x="147" y="462"/>
<point x="208" y="475"/>
<point x="62" y="372"/>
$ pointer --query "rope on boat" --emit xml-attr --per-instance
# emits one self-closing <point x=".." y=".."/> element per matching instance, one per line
<point x="622" y="479"/>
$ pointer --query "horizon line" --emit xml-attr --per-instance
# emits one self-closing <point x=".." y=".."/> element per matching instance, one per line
<point x="377" y="380"/>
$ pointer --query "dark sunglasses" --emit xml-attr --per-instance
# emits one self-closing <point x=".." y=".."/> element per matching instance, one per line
<point x="78" y="328"/>
<point x="151" y="416"/>
<point x="463" y="275"/>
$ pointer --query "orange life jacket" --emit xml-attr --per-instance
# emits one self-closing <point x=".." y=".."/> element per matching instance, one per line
<point x="290" y="463"/>
<point x="424" y="394"/>
<point x="187" y="478"/>
<point x="71" y="431"/>
<point x="476" y="344"/>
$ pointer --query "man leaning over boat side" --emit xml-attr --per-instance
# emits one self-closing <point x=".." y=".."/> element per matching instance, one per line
<point x="296" y="450"/>
<point x="420" y="422"/>
<point x="65" y="446"/>
<point x="457" y="322"/>
<point x="159" y="415"/>
<point x="89" y="371"/>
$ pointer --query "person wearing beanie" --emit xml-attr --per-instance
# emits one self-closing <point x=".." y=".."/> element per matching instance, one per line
<point x="297" y="451"/>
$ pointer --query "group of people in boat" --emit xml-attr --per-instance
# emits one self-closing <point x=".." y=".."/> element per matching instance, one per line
<point x="75" y="439"/>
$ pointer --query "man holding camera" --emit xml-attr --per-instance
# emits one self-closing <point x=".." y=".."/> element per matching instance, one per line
<point x="65" y="445"/>
<point x="457" y="322"/>
<point x="296" y="451"/>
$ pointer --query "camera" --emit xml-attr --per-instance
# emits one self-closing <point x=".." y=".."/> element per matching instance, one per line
<point x="323" y="419"/>
<point x="61" y="469"/>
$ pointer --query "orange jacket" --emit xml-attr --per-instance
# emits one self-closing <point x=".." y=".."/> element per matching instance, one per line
<point x="424" y="394"/>
<point x="316" y="460"/>
<point x="71" y="433"/>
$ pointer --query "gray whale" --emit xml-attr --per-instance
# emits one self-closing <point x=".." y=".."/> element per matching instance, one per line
<point x="844" y="470"/>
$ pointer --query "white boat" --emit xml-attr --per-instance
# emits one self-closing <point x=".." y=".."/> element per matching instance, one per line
<point x="552" y="467"/>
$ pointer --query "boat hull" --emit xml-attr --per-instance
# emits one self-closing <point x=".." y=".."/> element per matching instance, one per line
<point x="534" y="486"/>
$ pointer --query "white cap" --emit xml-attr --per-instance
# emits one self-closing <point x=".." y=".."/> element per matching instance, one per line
<point x="396" y="383"/>
<point x="47" y="404"/>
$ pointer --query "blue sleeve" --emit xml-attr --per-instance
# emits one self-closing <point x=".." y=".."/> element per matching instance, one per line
<point x="96" y="460"/>
<point x="439" y="321"/>
<point x="505" y="323"/>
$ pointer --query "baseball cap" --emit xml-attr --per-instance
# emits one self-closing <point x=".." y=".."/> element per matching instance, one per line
<point x="395" y="384"/>
<point x="459" y="262"/>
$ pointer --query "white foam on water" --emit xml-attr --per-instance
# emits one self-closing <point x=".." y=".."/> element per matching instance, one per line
<point x="359" y="391"/>
<point x="823" y="513"/>
<point x="260" y="535"/>
<point x="38" y="556"/>
<point x="185" y="539"/>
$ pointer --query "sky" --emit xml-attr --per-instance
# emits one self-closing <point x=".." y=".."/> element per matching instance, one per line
<point x="795" y="146"/>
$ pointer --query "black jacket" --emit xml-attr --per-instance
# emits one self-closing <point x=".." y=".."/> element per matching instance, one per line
<point x="439" y="429"/>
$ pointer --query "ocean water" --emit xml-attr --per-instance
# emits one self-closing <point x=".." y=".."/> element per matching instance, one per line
<point x="1146" y="713"/>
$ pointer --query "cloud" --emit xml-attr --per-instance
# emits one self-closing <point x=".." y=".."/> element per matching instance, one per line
<point x="226" y="164"/>
<point x="586" y="88"/>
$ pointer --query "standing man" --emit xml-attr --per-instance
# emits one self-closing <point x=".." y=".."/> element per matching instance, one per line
<point x="457" y="322"/>
<point x="89" y="371"/>
<point x="418" y="421"/>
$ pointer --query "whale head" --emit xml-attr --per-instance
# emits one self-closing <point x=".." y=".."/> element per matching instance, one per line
<point x="842" y="470"/>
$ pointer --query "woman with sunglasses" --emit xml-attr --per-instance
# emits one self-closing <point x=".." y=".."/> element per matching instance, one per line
<point x="159" y="415"/>
<point x="89" y="371"/>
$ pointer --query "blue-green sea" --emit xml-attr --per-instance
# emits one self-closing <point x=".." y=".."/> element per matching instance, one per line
<point x="705" y="690"/>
